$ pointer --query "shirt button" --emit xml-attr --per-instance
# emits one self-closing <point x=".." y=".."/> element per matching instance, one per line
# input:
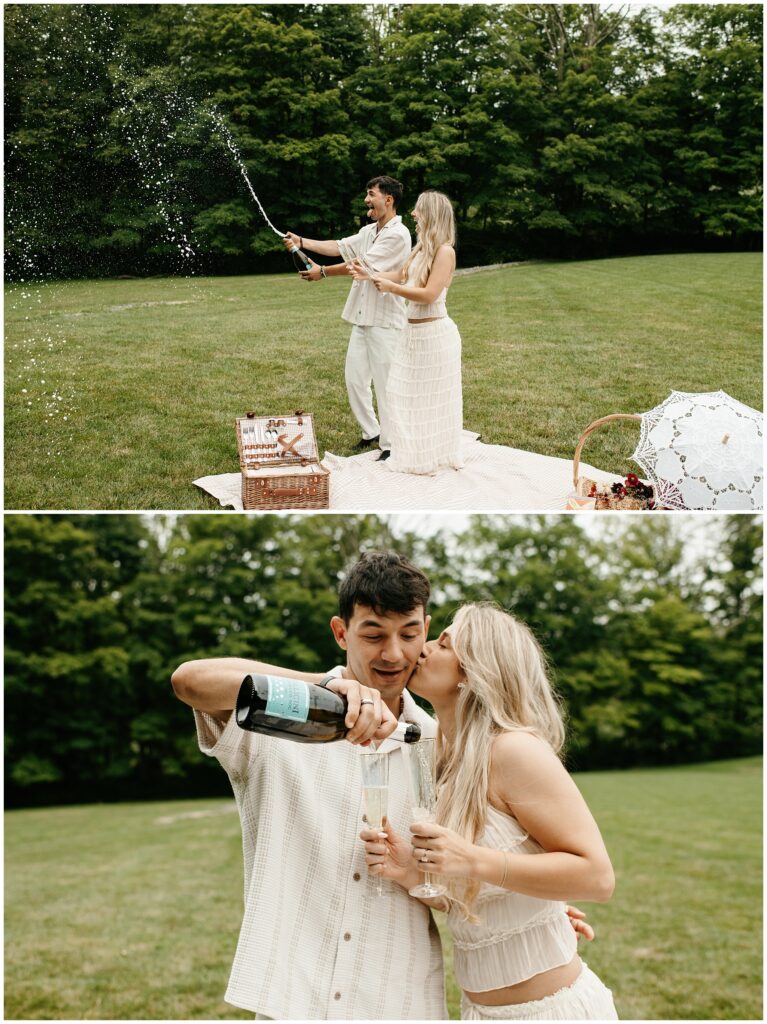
<point x="337" y="995"/>
<point x="347" y="936"/>
<point x="356" y="876"/>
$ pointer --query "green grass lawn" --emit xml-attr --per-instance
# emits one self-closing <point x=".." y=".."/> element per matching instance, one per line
<point x="132" y="911"/>
<point x="120" y="393"/>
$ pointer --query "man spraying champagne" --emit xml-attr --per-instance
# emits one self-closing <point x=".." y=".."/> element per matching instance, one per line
<point x="377" y="318"/>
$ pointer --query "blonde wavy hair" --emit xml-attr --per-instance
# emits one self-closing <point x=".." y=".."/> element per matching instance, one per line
<point x="436" y="227"/>
<point x="506" y="689"/>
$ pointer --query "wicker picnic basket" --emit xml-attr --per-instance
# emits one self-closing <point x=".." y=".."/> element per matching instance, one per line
<point x="605" y="498"/>
<point x="280" y="464"/>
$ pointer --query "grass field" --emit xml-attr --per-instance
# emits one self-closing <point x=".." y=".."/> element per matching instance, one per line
<point x="132" y="911"/>
<point x="120" y="393"/>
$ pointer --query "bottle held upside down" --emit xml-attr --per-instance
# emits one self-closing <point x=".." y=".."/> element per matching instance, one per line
<point x="296" y="710"/>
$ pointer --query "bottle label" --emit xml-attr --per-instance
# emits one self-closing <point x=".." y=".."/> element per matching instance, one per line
<point x="288" y="698"/>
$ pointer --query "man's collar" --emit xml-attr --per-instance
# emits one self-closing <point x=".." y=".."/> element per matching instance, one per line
<point x="409" y="707"/>
<point x="396" y="219"/>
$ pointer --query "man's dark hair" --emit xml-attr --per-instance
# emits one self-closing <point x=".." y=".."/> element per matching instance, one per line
<point x="385" y="582"/>
<point x="389" y="187"/>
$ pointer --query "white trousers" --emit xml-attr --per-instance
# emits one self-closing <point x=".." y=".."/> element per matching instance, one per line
<point x="368" y="359"/>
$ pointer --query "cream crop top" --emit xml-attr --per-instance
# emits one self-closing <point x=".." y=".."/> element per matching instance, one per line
<point x="423" y="310"/>
<point x="518" y="936"/>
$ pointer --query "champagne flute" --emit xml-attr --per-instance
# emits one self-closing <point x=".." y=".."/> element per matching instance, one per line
<point x="375" y="792"/>
<point x="423" y="773"/>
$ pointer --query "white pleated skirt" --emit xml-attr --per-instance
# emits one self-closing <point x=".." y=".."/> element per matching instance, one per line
<point x="425" y="399"/>
<point x="586" y="999"/>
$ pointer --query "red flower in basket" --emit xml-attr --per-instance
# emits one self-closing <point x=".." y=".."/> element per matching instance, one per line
<point x="632" y="480"/>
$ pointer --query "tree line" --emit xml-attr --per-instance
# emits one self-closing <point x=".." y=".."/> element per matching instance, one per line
<point x="655" y="644"/>
<point x="558" y="130"/>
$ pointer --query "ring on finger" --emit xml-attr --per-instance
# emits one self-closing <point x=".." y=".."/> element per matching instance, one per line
<point x="367" y="701"/>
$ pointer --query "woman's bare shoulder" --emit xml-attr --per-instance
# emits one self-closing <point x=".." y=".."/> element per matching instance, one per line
<point x="519" y="750"/>
<point x="523" y="764"/>
<point x="444" y="259"/>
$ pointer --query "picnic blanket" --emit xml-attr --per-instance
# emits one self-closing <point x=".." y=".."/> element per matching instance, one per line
<point x="494" y="478"/>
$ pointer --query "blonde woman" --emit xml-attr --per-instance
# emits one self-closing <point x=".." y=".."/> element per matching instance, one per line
<point x="424" y="385"/>
<point x="514" y="838"/>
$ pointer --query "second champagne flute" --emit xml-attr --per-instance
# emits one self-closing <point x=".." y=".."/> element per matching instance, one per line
<point x="375" y="792"/>
<point x="423" y="769"/>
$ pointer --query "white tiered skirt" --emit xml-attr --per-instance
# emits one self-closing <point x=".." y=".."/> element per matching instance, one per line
<point x="425" y="400"/>
<point x="586" y="999"/>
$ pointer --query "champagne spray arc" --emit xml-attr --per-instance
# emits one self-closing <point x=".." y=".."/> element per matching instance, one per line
<point x="301" y="261"/>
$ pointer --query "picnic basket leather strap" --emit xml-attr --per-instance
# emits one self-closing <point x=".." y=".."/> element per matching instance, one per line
<point x="291" y="492"/>
<point x="289" y="446"/>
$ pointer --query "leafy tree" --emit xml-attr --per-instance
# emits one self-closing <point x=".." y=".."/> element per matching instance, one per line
<point x="67" y="666"/>
<point x="655" y="651"/>
<point x="735" y="586"/>
<point x="564" y="129"/>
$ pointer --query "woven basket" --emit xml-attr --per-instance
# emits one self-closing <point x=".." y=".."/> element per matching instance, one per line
<point x="280" y="464"/>
<point x="604" y="498"/>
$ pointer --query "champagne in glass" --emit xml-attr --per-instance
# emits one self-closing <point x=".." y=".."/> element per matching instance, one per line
<point x="423" y="774"/>
<point x="375" y="792"/>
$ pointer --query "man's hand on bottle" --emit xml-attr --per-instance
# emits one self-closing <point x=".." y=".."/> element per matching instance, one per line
<point x="367" y="716"/>
<point x="311" y="275"/>
<point x="289" y="240"/>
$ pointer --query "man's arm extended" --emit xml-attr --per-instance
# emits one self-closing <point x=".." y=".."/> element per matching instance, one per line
<point x="329" y="248"/>
<point x="212" y="684"/>
<point x="326" y="248"/>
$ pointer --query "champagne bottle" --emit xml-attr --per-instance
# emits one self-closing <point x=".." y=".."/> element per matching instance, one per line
<point x="300" y="260"/>
<point x="299" y="711"/>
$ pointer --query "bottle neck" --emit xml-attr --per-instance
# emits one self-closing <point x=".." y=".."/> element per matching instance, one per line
<point x="406" y="732"/>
